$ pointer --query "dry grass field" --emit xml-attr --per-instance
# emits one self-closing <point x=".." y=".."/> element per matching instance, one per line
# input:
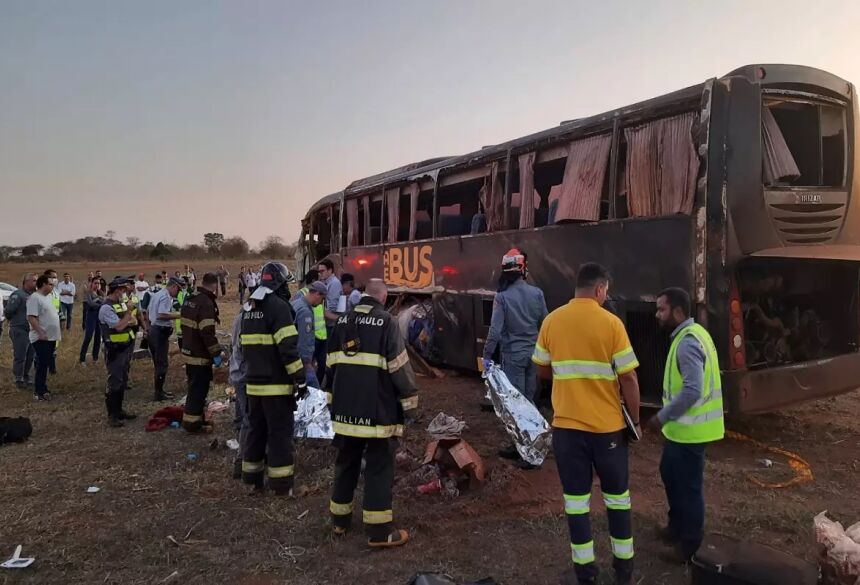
<point x="160" y="518"/>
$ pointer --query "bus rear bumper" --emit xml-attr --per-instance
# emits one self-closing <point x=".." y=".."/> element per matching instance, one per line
<point x="756" y="391"/>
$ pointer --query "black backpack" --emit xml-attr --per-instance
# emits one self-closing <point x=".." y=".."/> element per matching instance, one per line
<point x="15" y="430"/>
<point x="722" y="560"/>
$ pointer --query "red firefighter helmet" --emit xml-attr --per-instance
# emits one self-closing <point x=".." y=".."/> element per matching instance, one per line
<point x="514" y="260"/>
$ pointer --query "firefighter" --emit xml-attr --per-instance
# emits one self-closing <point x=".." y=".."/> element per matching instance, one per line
<point x="372" y="393"/>
<point x="518" y="312"/>
<point x="115" y="319"/>
<point x="274" y="379"/>
<point x="200" y="350"/>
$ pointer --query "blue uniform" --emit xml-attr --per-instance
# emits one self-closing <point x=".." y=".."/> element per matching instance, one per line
<point x="305" y="327"/>
<point x="518" y="312"/>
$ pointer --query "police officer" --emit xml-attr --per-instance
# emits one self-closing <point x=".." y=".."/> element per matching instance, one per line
<point x="372" y="394"/>
<point x="518" y="312"/>
<point x="115" y="319"/>
<point x="274" y="379"/>
<point x="162" y="315"/>
<point x="691" y="417"/>
<point x="200" y="349"/>
<point x="304" y="304"/>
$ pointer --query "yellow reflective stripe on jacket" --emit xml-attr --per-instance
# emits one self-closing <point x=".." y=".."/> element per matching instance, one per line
<point x="363" y="309"/>
<point x="582" y="369"/>
<point x="359" y="359"/>
<point x="191" y="418"/>
<point x="377" y="432"/>
<point x="284" y="332"/>
<point x="409" y="403"/>
<point x="329" y="397"/>
<point x="340" y="509"/>
<point x="269" y="389"/>
<point x="377" y="517"/>
<point x="256" y="339"/>
<point x="398" y="362"/>
<point x="186" y="322"/>
<point x="196" y="361"/>
<point x="294" y="367"/>
<point x="283" y="471"/>
<point x="206" y="323"/>
<point x="625" y="361"/>
<point x="541" y="356"/>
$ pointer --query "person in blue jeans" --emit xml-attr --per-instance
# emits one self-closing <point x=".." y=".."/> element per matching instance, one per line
<point x="691" y="417"/>
<point x="44" y="332"/>
<point x="92" y="332"/>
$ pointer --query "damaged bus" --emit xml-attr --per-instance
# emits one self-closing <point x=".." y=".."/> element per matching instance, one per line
<point x="739" y="189"/>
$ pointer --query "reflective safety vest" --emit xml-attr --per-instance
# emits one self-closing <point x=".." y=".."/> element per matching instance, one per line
<point x="703" y="422"/>
<point x="177" y="306"/>
<point x="113" y="337"/>
<point x="55" y="300"/>
<point x="320" y="331"/>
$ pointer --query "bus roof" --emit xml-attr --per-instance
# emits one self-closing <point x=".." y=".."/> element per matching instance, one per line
<point x="640" y="111"/>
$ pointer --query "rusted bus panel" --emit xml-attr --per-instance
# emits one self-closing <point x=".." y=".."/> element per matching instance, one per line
<point x="643" y="255"/>
<point x="756" y="391"/>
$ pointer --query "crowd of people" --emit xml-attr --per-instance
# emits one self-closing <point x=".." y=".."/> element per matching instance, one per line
<point x="333" y="336"/>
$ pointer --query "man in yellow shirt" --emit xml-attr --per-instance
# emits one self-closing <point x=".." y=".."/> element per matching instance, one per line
<point x="585" y="351"/>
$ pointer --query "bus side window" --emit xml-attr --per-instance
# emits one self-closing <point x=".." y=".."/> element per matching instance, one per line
<point x="548" y="178"/>
<point x="458" y="206"/>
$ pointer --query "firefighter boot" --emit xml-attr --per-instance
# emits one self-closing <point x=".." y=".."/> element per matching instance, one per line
<point x="113" y="410"/>
<point x="160" y="394"/>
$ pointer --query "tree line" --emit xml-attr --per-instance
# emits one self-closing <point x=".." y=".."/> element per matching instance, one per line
<point x="108" y="248"/>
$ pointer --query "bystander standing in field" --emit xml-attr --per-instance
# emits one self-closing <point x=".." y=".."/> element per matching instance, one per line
<point x="44" y="332"/>
<point x="223" y="275"/>
<point x="15" y="312"/>
<point x="242" y="285"/>
<point x="92" y="302"/>
<point x="67" y="292"/>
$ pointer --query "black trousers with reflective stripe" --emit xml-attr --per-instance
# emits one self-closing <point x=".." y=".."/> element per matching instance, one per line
<point x="199" y="378"/>
<point x="378" y="479"/>
<point x="117" y="362"/>
<point x="268" y="438"/>
<point x="578" y="455"/>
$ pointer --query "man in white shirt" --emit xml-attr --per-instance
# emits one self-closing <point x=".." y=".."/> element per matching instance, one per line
<point x="44" y="332"/>
<point x="251" y="280"/>
<point x="66" y="290"/>
<point x="141" y="286"/>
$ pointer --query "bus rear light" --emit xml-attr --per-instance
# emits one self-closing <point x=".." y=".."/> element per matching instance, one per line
<point x="737" y="342"/>
<point x="450" y="270"/>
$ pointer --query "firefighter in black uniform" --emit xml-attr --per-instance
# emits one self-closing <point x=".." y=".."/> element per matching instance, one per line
<point x="115" y="319"/>
<point x="275" y="378"/>
<point x="200" y="349"/>
<point x="373" y="392"/>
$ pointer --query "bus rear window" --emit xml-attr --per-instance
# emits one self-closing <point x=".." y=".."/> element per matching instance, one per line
<point x="803" y="144"/>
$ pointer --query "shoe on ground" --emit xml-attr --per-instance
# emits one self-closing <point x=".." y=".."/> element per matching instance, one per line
<point x="127" y="416"/>
<point x="115" y="422"/>
<point x="509" y="452"/>
<point x="397" y="537"/>
<point x="339" y="530"/>
<point x="161" y="397"/>
<point x="82" y="364"/>
<point x="42" y="398"/>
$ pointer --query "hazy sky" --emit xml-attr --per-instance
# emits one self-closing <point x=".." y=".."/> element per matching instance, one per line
<point x="167" y="119"/>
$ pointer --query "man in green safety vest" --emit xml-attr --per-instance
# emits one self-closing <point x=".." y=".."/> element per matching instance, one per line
<point x="691" y="417"/>
<point x="320" y="333"/>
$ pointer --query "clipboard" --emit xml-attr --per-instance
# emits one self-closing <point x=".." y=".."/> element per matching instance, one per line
<point x="632" y="434"/>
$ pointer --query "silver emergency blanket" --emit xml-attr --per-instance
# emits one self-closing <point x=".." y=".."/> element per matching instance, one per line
<point x="312" y="418"/>
<point x="525" y="424"/>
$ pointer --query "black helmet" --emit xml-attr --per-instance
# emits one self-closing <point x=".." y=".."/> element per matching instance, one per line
<point x="274" y="275"/>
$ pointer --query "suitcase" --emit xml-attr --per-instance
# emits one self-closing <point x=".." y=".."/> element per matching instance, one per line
<point x="722" y="560"/>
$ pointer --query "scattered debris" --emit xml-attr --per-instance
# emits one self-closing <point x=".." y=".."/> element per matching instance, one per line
<point x="444" y="426"/>
<point x="802" y="470"/>
<point x="233" y="444"/>
<point x="175" y="424"/>
<point x="170" y="577"/>
<point x="16" y="561"/>
<point x="456" y="466"/>
<point x="290" y="553"/>
<point x="839" y="551"/>
<point x="302" y="515"/>
<point x="170" y="416"/>
<point x="214" y="407"/>
<point x="765" y="463"/>
<point x="214" y="444"/>
<point x="15" y="429"/>
<point x="191" y="457"/>
<point x="312" y="417"/>
<point x="93" y="489"/>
